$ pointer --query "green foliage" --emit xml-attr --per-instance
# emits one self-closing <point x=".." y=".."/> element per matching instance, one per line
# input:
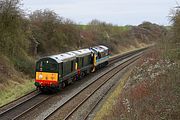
<point x="52" y="32"/>
<point x="171" y="42"/>
<point x="176" y="24"/>
<point x="176" y="29"/>
<point x="12" y="36"/>
<point x="24" y="63"/>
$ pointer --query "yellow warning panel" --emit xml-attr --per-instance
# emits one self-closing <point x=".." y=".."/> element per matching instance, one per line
<point x="46" y="76"/>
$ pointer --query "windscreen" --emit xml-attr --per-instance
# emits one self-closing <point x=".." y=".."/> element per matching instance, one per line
<point x="46" y="66"/>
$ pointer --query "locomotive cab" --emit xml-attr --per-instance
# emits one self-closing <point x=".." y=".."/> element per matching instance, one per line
<point x="53" y="72"/>
<point x="47" y="73"/>
<point x="101" y="56"/>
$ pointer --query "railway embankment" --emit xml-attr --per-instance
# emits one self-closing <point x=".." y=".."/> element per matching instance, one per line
<point x="151" y="91"/>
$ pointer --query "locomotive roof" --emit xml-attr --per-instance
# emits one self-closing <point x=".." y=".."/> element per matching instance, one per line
<point x="63" y="57"/>
<point x="82" y="52"/>
<point x="78" y="53"/>
<point x="99" y="48"/>
<point x="104" y="47"/>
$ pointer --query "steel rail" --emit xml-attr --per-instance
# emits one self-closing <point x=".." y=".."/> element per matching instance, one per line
<point x="13" y="113"/>
<point x="18" y="104"/>
<point x="81" y="103"/>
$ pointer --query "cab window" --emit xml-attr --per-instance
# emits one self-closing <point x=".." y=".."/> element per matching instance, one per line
<point x="47" y="66"/>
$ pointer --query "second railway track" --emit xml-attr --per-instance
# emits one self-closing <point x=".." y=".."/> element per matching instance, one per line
<point x="23" y="107"/>
<point x="67" y="110"/>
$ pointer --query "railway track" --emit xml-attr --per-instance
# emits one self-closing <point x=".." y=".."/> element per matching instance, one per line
<point x="96" y="103"/>
<point x="13" y="103"/>
<point x="20" y="109"/>
<point x="66" y="111"/>
<point x="23" y="107"/>
<point x="117" y="58"/>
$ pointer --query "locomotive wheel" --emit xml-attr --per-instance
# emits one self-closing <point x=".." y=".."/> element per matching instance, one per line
<point x="74" y="79"/>
<point x="82" y="74"/>
<point x="63" y="85"/>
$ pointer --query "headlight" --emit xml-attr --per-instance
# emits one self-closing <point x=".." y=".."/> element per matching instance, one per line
<point x="40" y="76"/>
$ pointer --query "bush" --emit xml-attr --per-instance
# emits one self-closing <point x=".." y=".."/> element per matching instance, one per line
<point x="24" y="63"/>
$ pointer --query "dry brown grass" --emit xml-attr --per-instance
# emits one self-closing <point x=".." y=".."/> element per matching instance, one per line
<point x="107" y="108"/>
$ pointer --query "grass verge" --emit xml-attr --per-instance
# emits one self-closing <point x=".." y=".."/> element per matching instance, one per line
<point x="12" y="91"/>
<point x="111" y="100"/>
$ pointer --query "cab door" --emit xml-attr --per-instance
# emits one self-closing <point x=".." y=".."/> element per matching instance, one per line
<point x="60" y="72"/>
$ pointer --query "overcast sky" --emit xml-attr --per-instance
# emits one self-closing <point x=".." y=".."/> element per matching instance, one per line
<point x="119" y="12"/>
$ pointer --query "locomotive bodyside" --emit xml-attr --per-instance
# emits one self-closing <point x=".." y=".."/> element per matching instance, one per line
<point x="84" y="62"/>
